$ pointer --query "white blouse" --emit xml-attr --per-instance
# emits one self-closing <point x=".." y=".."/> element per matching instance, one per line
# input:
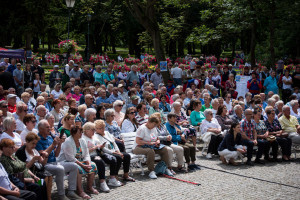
<point x="17" y="139"/>
<point x="128" y="126"/>
<point x="91" y="142"/>
<point x="110" y="146"/>
<point x="206" y="125"/>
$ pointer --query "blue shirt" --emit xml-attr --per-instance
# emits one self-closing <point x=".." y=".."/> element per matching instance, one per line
<point x="271" y="85"/>
<point x="172" y="130"/>
<point x="114" y="98"/>
<point x="11" y="68"/>
<point x="43" y="144"/>
<point x="101" y="100"/>
<point x="4" y="180"/>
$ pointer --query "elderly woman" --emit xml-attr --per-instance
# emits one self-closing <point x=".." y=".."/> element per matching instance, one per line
<point x="25" y="96"/>
<point x="98" y="74"/>
<point x="215" y="105"/>
<point x="112" y="127"/>
<point x="9" y="125"/>
<point x="196" y="115"/>
<point x="181" y="117"/>
<point x="57" y="91"/>
<point x="80" y="118"/>
<point x="223" y="119"/>
<point x="53" y="129"/>
<point x="263" y="136"/>
<point x="231" y="147"/>
<point x="75" y="149"/>
<point x="147" y="143"/>
<point x="94" y="147"/>
<point x="230" y="86"/>
<point x="119" y="116"/>
<point x="112" y="155"/>
<point x="166" y="138"/>
<point x="294" y="109"/>
<point x="57" y="112"/>
<point x="34" y="161"/>
<point x="211" y="133"/>
<point x="68" y="122"/>
<point x="275" y="129"/>
<point x="90" y="115"/>
<point x="122" y="74"/>
<point x="67" y="92"/>
<point x="163" y="105"/>
<point x="155" y="108"/>
<point x="129" y="123"/>
<point x="278" y="108"/>
<point x="13" y="166"/>
<point x="77" y="93"/>
<point x="30" y="122"/>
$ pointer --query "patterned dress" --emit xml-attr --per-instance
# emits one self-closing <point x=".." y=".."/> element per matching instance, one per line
<point x="80" y="159"/>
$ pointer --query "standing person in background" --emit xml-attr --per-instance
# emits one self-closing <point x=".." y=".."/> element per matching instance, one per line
<point x="28" y="77"/>
<point x="280" y="66"/>
<point x="193" y="64"/>
<point x="254" y="85"/>
<point x="37" y="69"/>
<point x="55" y="77"/>
<point x="66" y="75"/>
<point x="86" y="75"/>
<point x="6" y="79"/>
<point x="270" y="83"/>
<point x="11" y="68"/>
<point x="296" y="77"/>
<point x="133" y="75"/>
<point x="18" y="76"/>
<point x="75" y="73"/>
<point x="286" y="86"/>
<point x="176" y="74"/>
<point x="156" y="78"/>
<point x="36" y="85"/>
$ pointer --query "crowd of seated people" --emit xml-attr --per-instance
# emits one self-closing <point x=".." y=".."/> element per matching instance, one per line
<point x="78" y="131"/>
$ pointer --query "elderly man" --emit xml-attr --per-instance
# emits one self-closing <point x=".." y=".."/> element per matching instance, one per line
<point x="122" y="92"/>
<point x="238" y="114"/>
<point x="55" y="77"/>
<point x="75" y="73"/>
<point x="4" y="109"/>
<point x="294" y="109"/>
<point x="187" y="100"/>
<point x="19" y="116"/>
<point x="290" y="124"/>
<point x="134" y="102"/>
<point x="41" y="112"/>
<point x="270" y="83"/>
<point x="18" y="76"/>
<point x="102" y="99"/>
<point x="133" y="75"/>
<point x="156" y="78"/>
<point x="89" y="100"/>
<point x="115" y="96"/>
<point x="165" y="93"/>
<point x="12" y="100"/>
<point x="53" y="147"/>
<point x="12" y="67"/>
<point x="215" y="105"/>
<point x="141" y="116"/>
<point x="249" y="136"/>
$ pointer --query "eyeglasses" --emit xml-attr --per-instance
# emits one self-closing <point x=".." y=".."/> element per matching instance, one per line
<point x="132" y="113"/>
<point x="33" y="121"/>
<point x="25" y="110"/>
<point x="120" y="105"/>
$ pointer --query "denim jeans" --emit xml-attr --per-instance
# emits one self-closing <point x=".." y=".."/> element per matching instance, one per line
<point x="250" y="145"/>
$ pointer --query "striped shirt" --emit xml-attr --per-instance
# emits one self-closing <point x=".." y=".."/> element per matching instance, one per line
<point x="141" y="120"/>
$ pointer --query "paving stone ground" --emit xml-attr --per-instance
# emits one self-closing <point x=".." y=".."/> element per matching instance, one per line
<point x="218" y="181"/>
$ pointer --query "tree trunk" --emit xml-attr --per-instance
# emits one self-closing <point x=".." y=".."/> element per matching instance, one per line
<point x="272" y="33"/>
<point x="157" y="43"/>
<point x="113" y="43"/>
<point x="253" y="34"/>
<point x="106" y="43"/>
<point x="189" y="47"/>
<point x="233" y="47"/>
<point x="194" y="48"/>
<point x="181" y="47"/>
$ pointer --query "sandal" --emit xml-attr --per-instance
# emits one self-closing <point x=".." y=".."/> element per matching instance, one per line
<point x="129" y="179"/>
<point x="93" y="191"/>
<point x="84" y="195"/>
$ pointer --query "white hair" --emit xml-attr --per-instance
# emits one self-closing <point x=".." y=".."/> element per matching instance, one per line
<point x="293" y="103"/>
<point x="207" y="111"/>
<point x="271" y="100"/>
<point x="117" y="102"/>
<point x="285" y="107"/>
<point x="40" y="107"/>
<point x="88" y="126"/>
<point x="89" y="112"/>
<point x="110" y="86"/>
<point x="236" y="107"/>
<point x="214" y="101"/>
<point x="278" y="102"/>
<point x="20" y="104"/>
<point x="133" y="67"/>
<point x="42" y="123"/>
<point x="176" y="104"/>
<point x="7" y="123"/>
<point x="108" y="113"/>
<point x="175" y="97"/>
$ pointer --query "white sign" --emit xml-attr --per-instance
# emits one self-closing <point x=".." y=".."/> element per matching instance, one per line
<point x="241" y="85"/>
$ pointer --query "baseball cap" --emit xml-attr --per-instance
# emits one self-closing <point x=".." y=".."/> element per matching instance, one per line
<point x="134" y="97"/>
<point x="120" y="85"/>
<point x="11" y="96"/>
<point x="56" y="66"/>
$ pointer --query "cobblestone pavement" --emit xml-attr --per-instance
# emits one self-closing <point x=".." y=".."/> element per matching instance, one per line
<point x="218" y="181"/>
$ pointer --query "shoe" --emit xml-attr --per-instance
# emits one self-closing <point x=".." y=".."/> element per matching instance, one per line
<point x="114" y="182"/>
<point x="62" y="197"/>
<point x="222" y="158"/>
<point x="269" y="159"/>
<point x="277" y="160"/>
<point x="232" y="162"/>
<point x="182" y="169"/>
<point x="250" y="163"/>
<point x="259" y="161"/>
<point x="196" y="167"/>
<point x="196" y="149"/>
<point x="168" y="172"/>
<point x="73" y="195"/>
<point x="191" y="168"/>
<point x="208" y="156"/>
<point x="152" y="175"/>
<point x="104" y="187"/>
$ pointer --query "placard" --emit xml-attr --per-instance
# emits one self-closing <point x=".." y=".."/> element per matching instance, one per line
<point x="241" y="85"/>
<point x="163" y="66"/>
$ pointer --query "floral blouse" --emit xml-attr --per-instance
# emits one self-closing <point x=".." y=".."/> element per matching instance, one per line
<point x="274" y="126"/>
<point x="14" y="166"/>
<point x="181" y="117"/>
<point x="113" y="129"/>
<point x="260" y="127"/>
<point x="225" y="122"/>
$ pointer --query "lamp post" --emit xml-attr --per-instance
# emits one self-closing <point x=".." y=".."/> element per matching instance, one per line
<point x="70" y="4"/>
<point x="89" y="18"/>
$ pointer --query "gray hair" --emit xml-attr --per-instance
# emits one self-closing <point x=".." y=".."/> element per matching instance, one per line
<point x="81" y="107"/>
<point x="20" y="104"/>
<point x="285" y="107"/>
<point x="48" y="116"/>
<point x="88" y="126"/>
<point x="108" y="113"/>
<point x="236" y="107"/>
<point x="7" y="123"/>
<point x="214" y="101"/>
<point x="271" y="100"/>
<point x="133" y="67"/>
<point x="278" y="102"/>
<point x="293" y="103"/>
<point x="41" y="123"/>
<point x="40" y="107"/>
<point x="175" y="97"/>
<point x="117" y="102"/>
<point x="110" y="86"/>
<point x="89" y="112"/>
<point x="248" y="94"/>
<point x="176" y="104"/>
<point x="207" y="111"/>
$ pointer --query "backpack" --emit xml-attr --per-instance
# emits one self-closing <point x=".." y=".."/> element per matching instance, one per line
<point x="160" y="168"/>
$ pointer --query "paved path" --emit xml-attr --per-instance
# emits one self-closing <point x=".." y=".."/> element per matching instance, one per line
<point x="218" y="181"/>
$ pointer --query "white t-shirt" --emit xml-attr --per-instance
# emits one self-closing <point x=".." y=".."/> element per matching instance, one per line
<point x="127" y="126"/>
<point x="25" y="132"/>
<point x="29" y="156"/>
<point x="176" y="72"/>
<point x="56" y="94"/>
<point x="228" y="106"/>
<point x="17" y="139"/>
<point x="284" y="86"/>
<point x="36" y="88"/>
<point x="192" y="65"/>
<point x="148" y="135"/>
<point x="20" y="125"/>
<point x="91" y="142"/>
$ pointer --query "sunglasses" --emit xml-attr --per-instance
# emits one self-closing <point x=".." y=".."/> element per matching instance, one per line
<point x="120" y="105"/>
<point x="33" y="121"/>
<point x="132" y="113"/>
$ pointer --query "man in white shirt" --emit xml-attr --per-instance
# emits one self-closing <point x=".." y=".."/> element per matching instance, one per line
<point x="176" y="74"/>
